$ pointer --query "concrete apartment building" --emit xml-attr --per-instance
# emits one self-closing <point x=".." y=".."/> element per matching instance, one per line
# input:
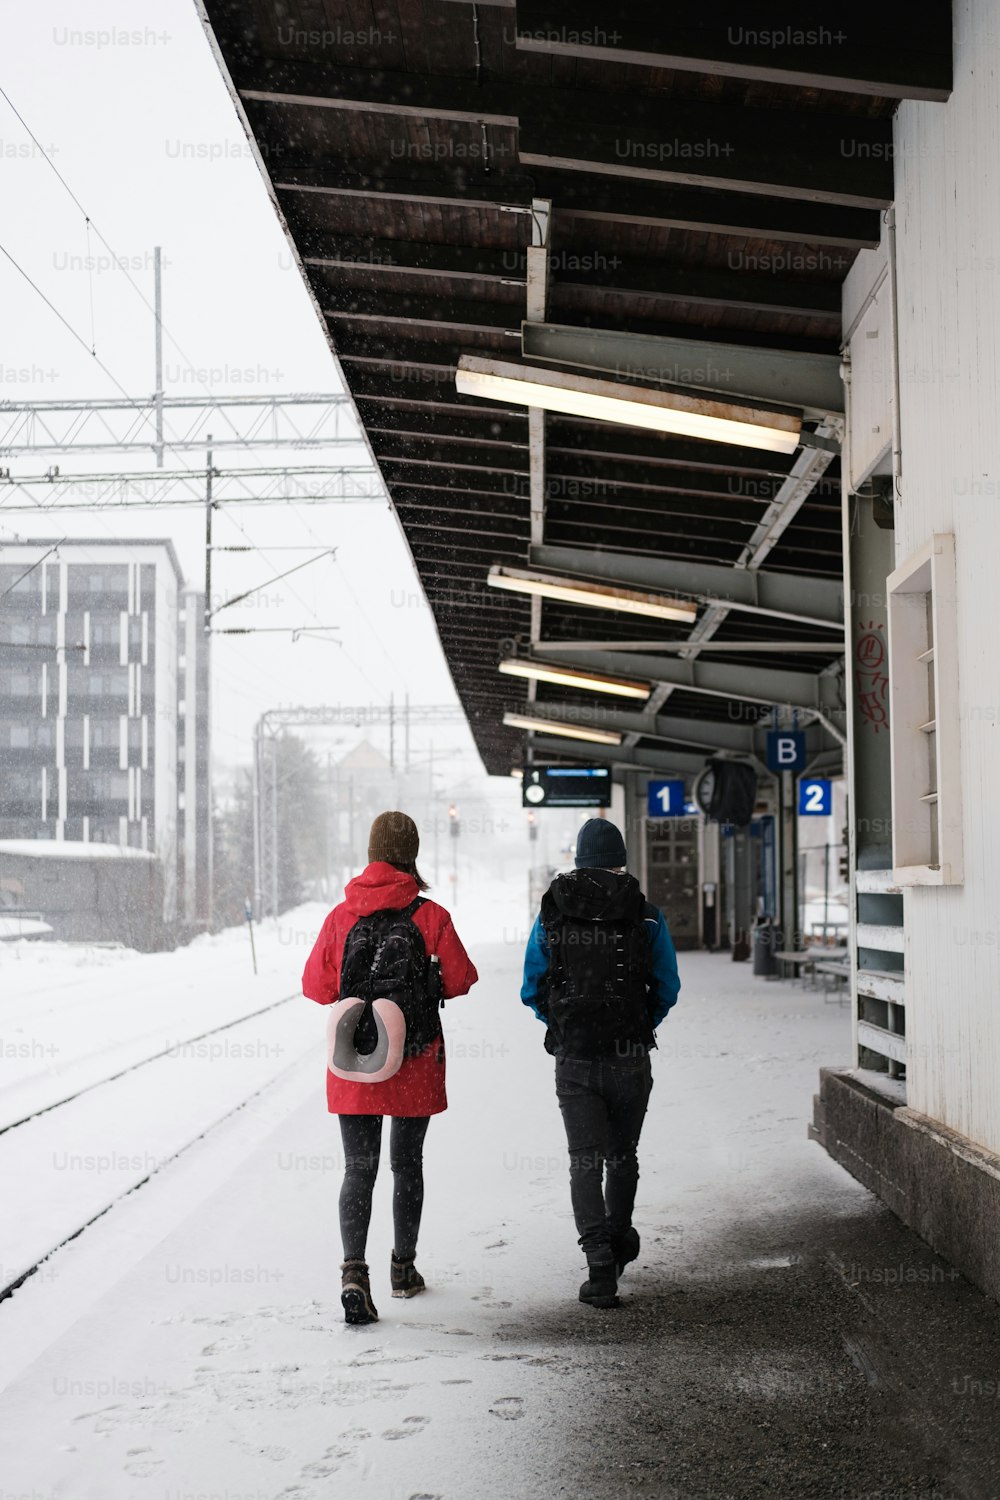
<point x="103" y="739"/>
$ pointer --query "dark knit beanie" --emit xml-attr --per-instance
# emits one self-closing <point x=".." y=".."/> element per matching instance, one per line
<point x="394" y="839"/>
<point x="600" y="846"/>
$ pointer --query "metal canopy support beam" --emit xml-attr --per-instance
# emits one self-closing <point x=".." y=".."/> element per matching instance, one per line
<point x="741" y="648"/>
<point x="857" y="47"/>
<point x="816" y="601"/>
<point x="806" y="472"/>
<point x="772" y="686"/>
<point x="537" y="292"/>
<point x="689" y="734"/>
<point x="810" y="382"/>
<point x="620" y="755"/>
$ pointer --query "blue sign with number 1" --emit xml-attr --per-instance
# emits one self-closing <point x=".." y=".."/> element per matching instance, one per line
<point x="815" y="798"/>
<point x="666" y="799"/>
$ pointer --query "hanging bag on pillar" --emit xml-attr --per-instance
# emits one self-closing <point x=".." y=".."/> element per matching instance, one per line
<point x="389" y="1009"/>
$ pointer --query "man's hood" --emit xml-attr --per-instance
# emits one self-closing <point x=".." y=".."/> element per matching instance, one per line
<point x="597" y="895"/>
<point x="380" y="887"/>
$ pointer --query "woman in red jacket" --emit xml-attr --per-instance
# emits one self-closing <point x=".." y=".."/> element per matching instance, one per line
<point x="410" y="1096"/>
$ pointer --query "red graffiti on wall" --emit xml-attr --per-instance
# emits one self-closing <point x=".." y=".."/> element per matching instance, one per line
<point x="870" y="680"/>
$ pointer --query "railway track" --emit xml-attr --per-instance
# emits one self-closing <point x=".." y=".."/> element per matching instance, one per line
<point x="28" y="1144"/>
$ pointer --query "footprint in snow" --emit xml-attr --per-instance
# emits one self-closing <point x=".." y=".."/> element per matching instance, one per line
<point x="329" y="1463"/>
<point x="510" y="1408"/>
<point x="410" y="1426"/>
<point x="142" y="1462"/>
<point x="237" y="1343"/>
<point x="380" y="1357"/>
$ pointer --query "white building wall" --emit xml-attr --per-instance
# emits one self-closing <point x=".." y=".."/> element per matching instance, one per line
<point x="948" y="273"/>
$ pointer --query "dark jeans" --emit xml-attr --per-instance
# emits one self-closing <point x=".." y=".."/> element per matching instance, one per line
<point x="603" y="1102"/>
<point x="362" y="1137"/>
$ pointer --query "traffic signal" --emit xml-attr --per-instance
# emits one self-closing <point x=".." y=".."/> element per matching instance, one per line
<point x="453" y="820"/>
<point x="532" y="827"/>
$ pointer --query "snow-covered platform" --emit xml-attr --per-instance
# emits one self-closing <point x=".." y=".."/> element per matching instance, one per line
<point x="780" y="1335"/>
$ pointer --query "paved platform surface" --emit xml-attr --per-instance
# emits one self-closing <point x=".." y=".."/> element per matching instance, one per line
<point x="781" y="1334"/>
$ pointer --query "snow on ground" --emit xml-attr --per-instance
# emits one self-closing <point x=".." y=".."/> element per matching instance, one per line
<point x="192" y="1339"/>
<point x="75" y="1015"/>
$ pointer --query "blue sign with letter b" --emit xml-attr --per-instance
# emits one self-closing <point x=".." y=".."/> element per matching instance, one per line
<point x="786" y="750"/>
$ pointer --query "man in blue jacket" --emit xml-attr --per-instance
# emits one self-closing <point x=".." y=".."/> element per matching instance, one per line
<point x="601" y="972"/>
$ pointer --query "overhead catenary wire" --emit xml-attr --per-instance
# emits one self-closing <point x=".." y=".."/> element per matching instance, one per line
<point x="36" y="564"/>
<point x="119" y="264"/>
<point x="238" y="598"/>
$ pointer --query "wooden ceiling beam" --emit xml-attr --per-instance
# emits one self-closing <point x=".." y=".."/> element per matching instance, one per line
<point x="796" y="153"/>
<point x="855" y="47"/>
<point x="577" y="197"/>
<point x="382" y="261"/>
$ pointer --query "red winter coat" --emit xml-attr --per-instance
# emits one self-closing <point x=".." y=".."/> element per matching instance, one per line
<point x="418" y="1088"/>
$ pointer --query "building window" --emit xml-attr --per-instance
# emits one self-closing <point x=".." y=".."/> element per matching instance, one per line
<point x="924" y="737"/>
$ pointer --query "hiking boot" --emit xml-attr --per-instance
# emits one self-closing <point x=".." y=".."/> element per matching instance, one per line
<point x="626" y="1247"/>
<point x="601" y="1287"/>
<point x="356" y="1293"/>
<point x="404" y="1277"/>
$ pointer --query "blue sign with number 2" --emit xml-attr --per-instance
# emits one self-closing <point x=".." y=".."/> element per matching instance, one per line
<point x="815" y="798"/>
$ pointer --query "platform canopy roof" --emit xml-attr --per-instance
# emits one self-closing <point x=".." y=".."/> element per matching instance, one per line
<point x="643" y="203"/>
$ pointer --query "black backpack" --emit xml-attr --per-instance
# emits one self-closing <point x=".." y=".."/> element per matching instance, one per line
<point x="596" y="999"/>
<point x="385" y="958"/>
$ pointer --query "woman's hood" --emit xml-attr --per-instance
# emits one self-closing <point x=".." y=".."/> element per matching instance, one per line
<point x="380" y="887"/>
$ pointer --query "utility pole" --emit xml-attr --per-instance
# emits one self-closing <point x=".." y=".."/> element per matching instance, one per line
<point x="208" y="540"/>
<point x="392" y="735"/>
<point x="327" y="817"/>
<point x="455" y="830"/>
<point x="406" y="735"/>
<point x="432" y="804"/>
<point x="274" y="826"/>
<point x="258" y="770"/>
<point x="158" y="398"/>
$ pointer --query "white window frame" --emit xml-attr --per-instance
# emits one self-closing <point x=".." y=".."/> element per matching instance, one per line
<point x="923" y="718"/>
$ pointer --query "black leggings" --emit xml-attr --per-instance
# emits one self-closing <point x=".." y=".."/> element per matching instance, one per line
<point x="362" y="1137"/>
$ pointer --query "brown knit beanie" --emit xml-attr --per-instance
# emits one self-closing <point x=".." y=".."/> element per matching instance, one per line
<point x="394" y="839"/>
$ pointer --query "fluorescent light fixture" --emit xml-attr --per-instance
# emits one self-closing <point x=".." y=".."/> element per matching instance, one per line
<point x="563" y="731"/>
<point x="594" y="595"/>
<point x="540" y="671"/>
<point x="630" y="405"/>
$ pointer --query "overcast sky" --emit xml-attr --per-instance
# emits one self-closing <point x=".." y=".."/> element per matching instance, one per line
<point x="127" y="101"/>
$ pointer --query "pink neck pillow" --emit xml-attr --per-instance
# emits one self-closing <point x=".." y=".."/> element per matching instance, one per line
<point x="343" y="1058"/>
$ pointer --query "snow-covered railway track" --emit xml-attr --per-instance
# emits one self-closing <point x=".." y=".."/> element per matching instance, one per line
<point x="68" y="1163"/>
<point x="144" y="1062"/>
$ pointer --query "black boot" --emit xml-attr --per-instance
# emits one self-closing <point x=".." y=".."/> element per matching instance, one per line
<point x="601" y="1287"/>
<point x="626" y="1248"/>
<point x="356" y="1293"/>
<point x="404" y="1277"/>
